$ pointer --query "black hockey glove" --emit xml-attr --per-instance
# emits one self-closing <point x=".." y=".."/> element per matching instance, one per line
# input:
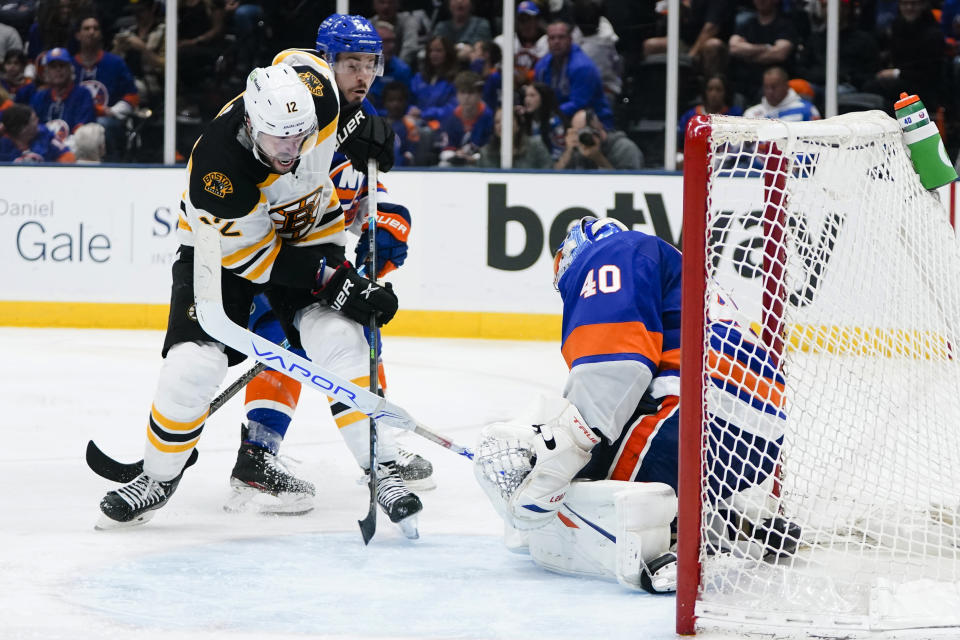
<point x="357" y="297"/>
<point x="364" y="136"/>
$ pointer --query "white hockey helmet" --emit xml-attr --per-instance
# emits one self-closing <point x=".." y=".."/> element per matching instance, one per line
<point x="281" y="115"/>
<point x="583" y="233"/>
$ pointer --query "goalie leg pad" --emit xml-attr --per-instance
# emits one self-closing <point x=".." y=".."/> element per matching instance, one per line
<point x="607" y="529"/>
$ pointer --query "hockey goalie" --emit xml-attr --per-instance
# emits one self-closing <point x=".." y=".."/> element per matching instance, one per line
<point x="586" y="482"/>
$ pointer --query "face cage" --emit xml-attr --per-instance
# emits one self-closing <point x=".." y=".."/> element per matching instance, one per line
<point x="338" y="66"/>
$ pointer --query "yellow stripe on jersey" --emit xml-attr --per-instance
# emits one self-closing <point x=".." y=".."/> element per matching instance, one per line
<point x="183" y="224"/>
<point x="323" y="232"/>
<point x="264" y="263"/>
<point x="326" y="132"/>
<point x="273" y="177"/>
<point x="286" y="53"/>
<point x="240" y="255"/>
<point x="227" y="106"/>
<point x="171" y="448"/>
<point x="172" y="425"/>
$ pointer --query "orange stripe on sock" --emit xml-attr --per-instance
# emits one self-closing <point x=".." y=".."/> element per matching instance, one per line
<point x="274" y="386"/>
<point x="726" y="369"/>
<point x="637" y="440"/>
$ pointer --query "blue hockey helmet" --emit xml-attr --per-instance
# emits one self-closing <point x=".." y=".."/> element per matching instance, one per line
<point x="583" y="233"/>
<point x="342" y="33"/>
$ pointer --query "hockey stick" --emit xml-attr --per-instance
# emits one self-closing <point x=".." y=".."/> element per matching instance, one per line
<point x="123" y="472"/>
<point x="215" y="322"/>
<point x="368" y="526"/>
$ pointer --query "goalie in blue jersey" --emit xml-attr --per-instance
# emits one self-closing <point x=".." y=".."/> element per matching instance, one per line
<point x="587" y="481"/>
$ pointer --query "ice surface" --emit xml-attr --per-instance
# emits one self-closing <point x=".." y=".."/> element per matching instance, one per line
<point x="197" y="572"/>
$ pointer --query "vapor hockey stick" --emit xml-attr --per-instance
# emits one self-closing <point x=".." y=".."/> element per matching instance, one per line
<point x="215" y="322"/>
<point x="368" y="526"/>
<point x="123" y="472"/>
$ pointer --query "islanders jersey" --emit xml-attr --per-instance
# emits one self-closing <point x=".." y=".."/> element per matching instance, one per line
<point x="259" y="212"/>
<point x="621" y="341"/>
<point x="43" y="148"/>
<point x="74" y="106"/>
<point x="108" y="80"/>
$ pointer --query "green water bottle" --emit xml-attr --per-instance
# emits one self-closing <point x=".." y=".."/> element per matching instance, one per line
<point x="924" y="143"/>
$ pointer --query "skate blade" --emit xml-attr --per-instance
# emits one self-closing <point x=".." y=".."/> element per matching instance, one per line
<point x="106" y="523"/>
<point x="409" y="527"/>
<point x="423" y="484"/>
<point x="246" y="499"/>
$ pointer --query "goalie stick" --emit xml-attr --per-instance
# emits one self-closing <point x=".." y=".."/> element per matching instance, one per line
<point x="368" y="526"/>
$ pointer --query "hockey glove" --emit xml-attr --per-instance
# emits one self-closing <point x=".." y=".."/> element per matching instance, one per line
<point x="364" y="136"/>
<point x="393" y="229"/>
<point x="357" y="297"/>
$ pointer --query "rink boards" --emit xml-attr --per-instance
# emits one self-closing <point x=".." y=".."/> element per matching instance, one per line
<point x="92" y="246"/>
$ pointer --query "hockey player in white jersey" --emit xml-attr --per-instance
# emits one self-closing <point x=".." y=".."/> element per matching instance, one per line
<point x="586" y="482"/>
<point x="260" y="480"/>
<point x="259" y="174"/>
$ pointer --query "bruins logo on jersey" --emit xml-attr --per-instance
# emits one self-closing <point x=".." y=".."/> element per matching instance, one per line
<point x="294" y="219"/>
<point x="217" y="184"/>
<point x="313" y="83"/>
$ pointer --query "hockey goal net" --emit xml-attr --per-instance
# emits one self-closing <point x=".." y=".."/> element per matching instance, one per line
<point x="820" y="437"/>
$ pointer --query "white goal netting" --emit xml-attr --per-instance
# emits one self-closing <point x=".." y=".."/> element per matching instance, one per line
<point x="830" y="493"/>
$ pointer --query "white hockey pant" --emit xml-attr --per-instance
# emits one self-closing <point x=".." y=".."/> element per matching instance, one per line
<point x="337" y="343"/>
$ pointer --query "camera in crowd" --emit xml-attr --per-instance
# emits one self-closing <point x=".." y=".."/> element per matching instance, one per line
<point x="588" y="136"/>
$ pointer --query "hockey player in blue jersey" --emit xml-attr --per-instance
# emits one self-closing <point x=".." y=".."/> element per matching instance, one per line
<point x="589" y="488"/>
<point x="353" y="50"/>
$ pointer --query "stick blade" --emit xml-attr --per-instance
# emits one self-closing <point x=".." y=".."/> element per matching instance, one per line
<point x="368" y="526"/>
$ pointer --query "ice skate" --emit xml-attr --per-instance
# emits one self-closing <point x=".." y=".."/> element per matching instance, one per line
<point x="136" y="502"/>
<point x="396" y="500"/>
<point x="262" y="483"/>
<point x="415" y="470"/>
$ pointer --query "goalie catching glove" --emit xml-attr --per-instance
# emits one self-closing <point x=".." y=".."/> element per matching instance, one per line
<point x="357" y="297"/>
<point x="393" y="229"/>
<point x="363" y="137"/>
<point x="553" y="452"/>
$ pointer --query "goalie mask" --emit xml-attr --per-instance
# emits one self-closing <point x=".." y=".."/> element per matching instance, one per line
<point x="281" y="116"/>
<point x="584" y="233"/>
<point x="341" y="33"/>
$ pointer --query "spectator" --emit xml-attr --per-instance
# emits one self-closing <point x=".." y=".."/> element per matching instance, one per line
<point x="106" y="76"/>
<point x="469" y="126"/>
<point x="14" y="81"/>
<point x="19" y="14"/>
<point x="764" y="40"/>
<point x="143" y="48"/>
<point x="542" y="118"/>
<point x="529" y="41"/>
<point x="463" y="28"/>
<point x="572" y="75"/>
<point x="62" y="99"/>
<point x="434" y="96"/>
<point x="858" y="53"/>
<point x="90" y="143"/>
<point x="200" y="30"/>
<point x="780" y="101"/>
<point x="9" y="39"/>
<point x="599" y="41"/>
<point x="485" y="58"/>
<point x="716" y="100"/>
<point x="529" y="152"/>
<point x="394" y="69"/>
<point x="412" y="28"/>
<point x="705" y="28"/>
<point x="6" y="100"/>
<point x="396" y="98"/>
<point x="916" y="56"/>
<point x="590" y="146"/>
<point x="55" y="24"/>
<point x="25" y="141"/>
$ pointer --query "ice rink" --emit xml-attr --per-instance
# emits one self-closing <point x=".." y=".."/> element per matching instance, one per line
<point x="195" y="571"/>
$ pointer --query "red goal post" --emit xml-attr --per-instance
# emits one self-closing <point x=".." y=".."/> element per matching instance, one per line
<point x="819" y="483"/>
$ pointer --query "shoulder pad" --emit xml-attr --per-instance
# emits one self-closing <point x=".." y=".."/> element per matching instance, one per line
<point x="303" y="57"/>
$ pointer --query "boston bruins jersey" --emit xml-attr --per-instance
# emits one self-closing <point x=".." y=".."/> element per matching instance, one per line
<point x="273" y="227"/>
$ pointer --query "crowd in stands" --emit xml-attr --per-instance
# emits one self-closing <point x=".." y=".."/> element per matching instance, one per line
<point x="588" y="74"/>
